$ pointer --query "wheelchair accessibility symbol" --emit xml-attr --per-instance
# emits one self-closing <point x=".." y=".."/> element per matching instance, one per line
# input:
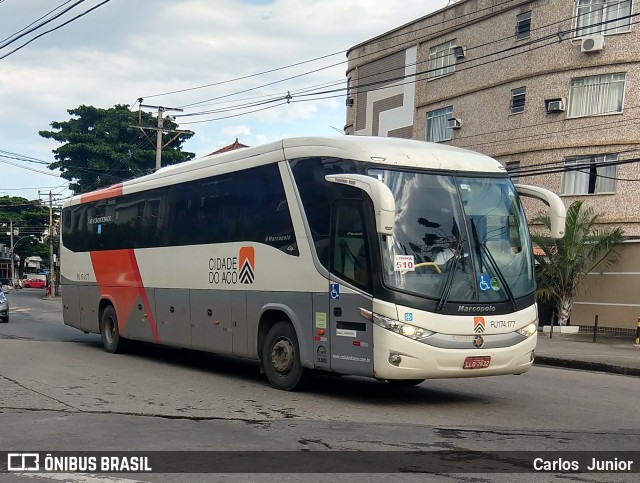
<point x="484" y="282"/>
<point x="335" y="291"/>
<point x="488" y="283"/>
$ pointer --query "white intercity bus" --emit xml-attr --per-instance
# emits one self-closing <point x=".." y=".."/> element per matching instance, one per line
<point x="394" y="259"/>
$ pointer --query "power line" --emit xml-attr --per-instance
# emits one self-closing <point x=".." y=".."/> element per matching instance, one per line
<point x="601" y="125"/>
<point x="491" y="7"/>
<point x="30" y="169"/>
<point x="395" y="47"/>
<point x="21" y="157"/>
<point x="258" y="87"/>
<point x="386" y="83"/>
<point x="393" y="82"/>
<point x="563" y="169"/>
<point x="86" y="170"/>
<point x="235" y="115"/>
<point x="54" y="29"/>
<point x="246" y="76"/>
<point x="17" y="35"/>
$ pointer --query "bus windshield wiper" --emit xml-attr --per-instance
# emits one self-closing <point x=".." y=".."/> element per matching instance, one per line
<point x="494" y="265"/>
<point x="449" y="282"/>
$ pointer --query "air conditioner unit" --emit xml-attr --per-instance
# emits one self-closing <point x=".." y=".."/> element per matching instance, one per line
<point x="555" y="105"/>
<point x="459" y="52"/>
<point x="592" y="43"/>
<point x="453" y="123"/>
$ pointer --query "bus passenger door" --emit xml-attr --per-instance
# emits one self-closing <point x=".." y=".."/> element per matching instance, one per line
<point x="349" y="291"/>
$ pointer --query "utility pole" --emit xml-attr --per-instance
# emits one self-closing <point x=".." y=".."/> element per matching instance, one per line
<point x="159" y="138"/>
<point x="160" y="129"/>
<point x="52" y="272"/>
<point x="13" y="257"/>
<point x="51" y="264"/>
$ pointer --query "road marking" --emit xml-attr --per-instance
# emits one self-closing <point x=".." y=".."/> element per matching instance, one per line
<point x="79" y="478"/>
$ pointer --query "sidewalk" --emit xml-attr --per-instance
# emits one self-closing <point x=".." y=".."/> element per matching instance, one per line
<point x="609" y="353"/>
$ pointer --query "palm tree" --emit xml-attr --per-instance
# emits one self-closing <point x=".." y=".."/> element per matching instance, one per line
<point x="565" y="263"/>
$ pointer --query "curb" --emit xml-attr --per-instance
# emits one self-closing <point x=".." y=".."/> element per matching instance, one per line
<point x="586" y="365"/>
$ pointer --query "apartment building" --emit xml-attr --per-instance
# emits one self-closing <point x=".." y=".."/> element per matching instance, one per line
<point x="543" y="86"/>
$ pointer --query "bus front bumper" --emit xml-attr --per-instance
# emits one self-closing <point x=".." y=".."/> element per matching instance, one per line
<point x="399" y="357"/>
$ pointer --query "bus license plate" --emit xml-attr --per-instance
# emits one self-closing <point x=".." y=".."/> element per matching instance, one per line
<point x="476" y="362"/>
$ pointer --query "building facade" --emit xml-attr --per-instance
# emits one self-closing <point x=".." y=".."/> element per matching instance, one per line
<point x="550" y="88"/>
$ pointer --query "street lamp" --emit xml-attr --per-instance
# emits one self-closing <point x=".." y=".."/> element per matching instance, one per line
<point x="12" y="255"/>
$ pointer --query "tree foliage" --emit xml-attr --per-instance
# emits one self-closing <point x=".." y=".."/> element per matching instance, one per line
<point x="567" y="261"/>
<point x="29" y="218"/>
<point x="100" y="147"/>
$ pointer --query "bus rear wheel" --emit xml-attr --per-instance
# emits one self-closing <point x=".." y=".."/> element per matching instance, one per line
<point x="109" y="332"/>
<point x="281" y="357"/>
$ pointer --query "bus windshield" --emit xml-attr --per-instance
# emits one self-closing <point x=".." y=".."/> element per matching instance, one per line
<point x="456" y="238"/>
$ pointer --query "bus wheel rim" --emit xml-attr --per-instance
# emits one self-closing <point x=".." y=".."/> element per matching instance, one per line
<point x="282" y="355"/>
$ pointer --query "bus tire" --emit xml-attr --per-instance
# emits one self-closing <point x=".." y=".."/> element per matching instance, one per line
<point x="109" y="332"/>
<point x="405" y="382"/>
<point x="281" y="358"/>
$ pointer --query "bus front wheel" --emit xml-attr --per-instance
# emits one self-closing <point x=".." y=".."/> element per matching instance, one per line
<point x="109" y="332"/>
<point x="281" y="357"/>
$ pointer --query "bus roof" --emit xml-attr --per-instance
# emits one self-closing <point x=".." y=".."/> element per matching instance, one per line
<point x="393" y="152"/>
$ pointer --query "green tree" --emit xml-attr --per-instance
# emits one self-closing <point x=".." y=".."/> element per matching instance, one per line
<point x="100" y="146"/>
<point x="28" y="218"/>
<point x="567" y="261"/>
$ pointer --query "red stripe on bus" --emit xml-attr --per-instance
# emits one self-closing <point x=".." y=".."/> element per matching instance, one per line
<point x="110" y="192"/>
<point x="143" y="294"/>
<point x="119" y="280"/>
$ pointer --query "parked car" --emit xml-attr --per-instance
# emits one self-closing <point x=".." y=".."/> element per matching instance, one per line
<point x="6" y="285"/>
<point x="4" y="308"/>
<point x="35" y="282"/>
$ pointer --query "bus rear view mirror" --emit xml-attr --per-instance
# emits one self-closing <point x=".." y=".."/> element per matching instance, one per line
<point x="384" y="204"/>
<point x="557" y="211"/>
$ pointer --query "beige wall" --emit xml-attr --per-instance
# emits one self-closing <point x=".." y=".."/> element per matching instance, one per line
<point x="614" y="295"/>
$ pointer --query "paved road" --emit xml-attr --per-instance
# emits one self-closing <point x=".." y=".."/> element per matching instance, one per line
<point x="60" y="391"/>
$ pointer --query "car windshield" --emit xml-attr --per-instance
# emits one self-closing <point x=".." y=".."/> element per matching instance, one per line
<point x="457" y="238"/>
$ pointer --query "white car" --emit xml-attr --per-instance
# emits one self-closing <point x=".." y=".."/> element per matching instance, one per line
<point x="6" y="285"/>
<point x="4" y="308"/>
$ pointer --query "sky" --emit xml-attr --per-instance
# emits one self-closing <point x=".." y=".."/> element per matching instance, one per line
<point x="124" y="50"/>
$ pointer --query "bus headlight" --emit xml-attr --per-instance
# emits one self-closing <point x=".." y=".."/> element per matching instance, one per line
<point x="402" y="328"/>
<point x="528" y="330"/>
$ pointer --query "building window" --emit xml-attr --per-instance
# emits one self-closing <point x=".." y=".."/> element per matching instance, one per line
<point x="602" y="16"/>
<point x="518" y="99"/>
<point x="513" y="169"/>
<point x="587" y="175"/>
<point x="442" y="59"/>
<point x="523" y="26"/>
<point x="438" y="125"/>
<point x="596" y="94"/>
